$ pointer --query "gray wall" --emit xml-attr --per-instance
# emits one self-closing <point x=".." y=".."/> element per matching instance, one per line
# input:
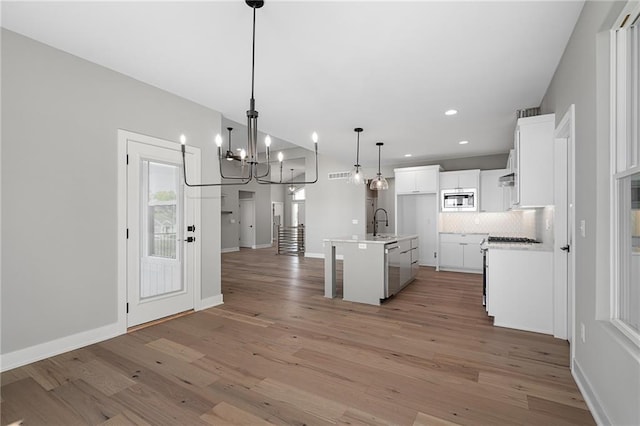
<point x="606" y="359"/>
<point x="60" y="117"/>
<point x="262" y="195"/>
<point x="331" y="205"/>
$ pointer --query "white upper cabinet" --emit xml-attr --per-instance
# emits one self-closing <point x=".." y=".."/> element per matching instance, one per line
<point x="533" y="161"/>
<point x="460" y="179"/>
<point x="417" y="180"/>
<point x="491" y="193"/>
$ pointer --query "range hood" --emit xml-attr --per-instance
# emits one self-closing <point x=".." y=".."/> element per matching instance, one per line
<point x="507" y="180"/>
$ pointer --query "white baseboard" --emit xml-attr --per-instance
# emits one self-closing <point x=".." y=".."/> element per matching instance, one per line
<point x="314" y="255"/>
<point x="321" y="256"/>
<point x="229" y="249"/>
<point x="261" y="246"/>
<point x="209" y="302"/>
<point x="41" y="351"/>
<point x="589" y="395"/>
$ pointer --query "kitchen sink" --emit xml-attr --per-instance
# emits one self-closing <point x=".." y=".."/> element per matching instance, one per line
<point x="384" y="237"/>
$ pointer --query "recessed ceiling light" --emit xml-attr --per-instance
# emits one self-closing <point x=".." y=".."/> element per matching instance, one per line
<point x="407" y="155"/>
<point x="451" y="112"/>
<point x="463" y="142"/>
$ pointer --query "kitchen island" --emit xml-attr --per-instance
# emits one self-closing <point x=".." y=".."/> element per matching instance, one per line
<point x="374" y="267"/>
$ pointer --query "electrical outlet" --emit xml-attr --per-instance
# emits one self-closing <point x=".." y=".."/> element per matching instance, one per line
<point x="354" y="221"/>
<point x="583" y="334"/>
<point x="583" y="228"/>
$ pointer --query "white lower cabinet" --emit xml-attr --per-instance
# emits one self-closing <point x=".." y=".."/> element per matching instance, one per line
<point x="520" y="289"/>
<point x="409" y="257"/>
<point x="461" y="252"/>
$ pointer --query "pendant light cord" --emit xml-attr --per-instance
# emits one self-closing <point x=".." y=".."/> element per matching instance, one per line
<point x="379" y="147"/>
<point x="358" y="151"/>
<point x="253" y="51"/>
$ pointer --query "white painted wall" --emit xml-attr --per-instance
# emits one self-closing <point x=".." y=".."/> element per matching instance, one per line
<point x="60" y="118"/>
<point x="331" y="205"/>
<point x="606" y="364"/>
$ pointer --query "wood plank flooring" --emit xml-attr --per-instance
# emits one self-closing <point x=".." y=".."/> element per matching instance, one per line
<point x="278" y="352"/>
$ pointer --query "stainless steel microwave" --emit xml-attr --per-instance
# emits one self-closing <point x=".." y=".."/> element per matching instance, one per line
<point x="459" y="200"/>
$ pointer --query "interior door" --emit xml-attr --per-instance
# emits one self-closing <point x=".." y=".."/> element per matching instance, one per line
<point x="161" y="227"/>
<point x="247" y="223"/>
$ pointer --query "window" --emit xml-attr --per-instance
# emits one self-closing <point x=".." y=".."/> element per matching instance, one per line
<point x="625" y="166"/>
<point x="299" y="195"/>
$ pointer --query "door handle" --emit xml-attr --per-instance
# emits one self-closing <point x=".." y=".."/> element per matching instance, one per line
<point x="190" y="239"/>
<point x="566" y="248"/>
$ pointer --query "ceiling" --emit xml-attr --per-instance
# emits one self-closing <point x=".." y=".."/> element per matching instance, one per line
<point x="392" y="68"/>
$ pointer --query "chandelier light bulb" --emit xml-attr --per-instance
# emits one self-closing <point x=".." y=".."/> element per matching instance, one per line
<point x="243" y="154"/>
<point x="314" y="137"/>
<point x="218" y="140"/>
<point x="280" y="157"/>
<point x="267" y="141"/>
<point x="183" y="139"/>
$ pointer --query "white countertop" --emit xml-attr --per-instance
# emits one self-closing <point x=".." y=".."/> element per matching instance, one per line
<point x="518" y="246"/>
<point x="370" y="239"/>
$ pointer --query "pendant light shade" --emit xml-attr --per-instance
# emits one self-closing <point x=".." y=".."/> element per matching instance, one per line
<point x="356" y="176"/>
<point x="379" y="183"/>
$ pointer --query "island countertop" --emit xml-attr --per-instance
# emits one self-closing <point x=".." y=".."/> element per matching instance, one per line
<point x="370" y="239"/>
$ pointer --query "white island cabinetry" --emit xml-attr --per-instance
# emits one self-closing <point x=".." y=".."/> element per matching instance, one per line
<point x="374" y="268"/>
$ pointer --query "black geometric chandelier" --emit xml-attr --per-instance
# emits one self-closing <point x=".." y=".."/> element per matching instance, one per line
<point x="251" y="168"/>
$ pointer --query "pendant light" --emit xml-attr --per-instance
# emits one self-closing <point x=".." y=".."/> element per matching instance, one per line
<point x="292" y="187"/>
<point x="379" y="182"/>
<point x="356" y="176"/>
<point x="252" y="168"/>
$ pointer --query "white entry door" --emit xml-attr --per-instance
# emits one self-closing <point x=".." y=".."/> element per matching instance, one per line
<point x="161" y="222"/>
<point x="247" y="223"/>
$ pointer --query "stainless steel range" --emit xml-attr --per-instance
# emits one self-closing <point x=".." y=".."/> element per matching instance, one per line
<point x="512" y="240"/>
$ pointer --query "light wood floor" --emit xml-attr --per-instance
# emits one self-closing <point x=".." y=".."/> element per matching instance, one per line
<point x="278" y="352"/>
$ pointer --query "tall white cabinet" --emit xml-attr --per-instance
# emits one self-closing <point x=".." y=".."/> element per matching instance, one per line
<point x="533" y="161"/>
<point x="417" y="208"/>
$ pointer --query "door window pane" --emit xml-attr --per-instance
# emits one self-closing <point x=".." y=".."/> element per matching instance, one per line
<point x="160" y="263"/>
<point x="162" y="214"/>
<point x="629" y="290"/>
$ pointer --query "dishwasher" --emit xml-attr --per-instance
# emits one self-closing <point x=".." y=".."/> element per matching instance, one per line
<point x="391" y="269"/>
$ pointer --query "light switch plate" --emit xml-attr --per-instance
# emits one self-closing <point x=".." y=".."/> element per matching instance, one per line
<point x="583" y="228"/>
<point x="362" y="246"/>
<point x="354" y="221"/>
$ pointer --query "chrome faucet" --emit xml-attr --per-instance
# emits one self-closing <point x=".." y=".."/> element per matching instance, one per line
<point x="375" y="221"/>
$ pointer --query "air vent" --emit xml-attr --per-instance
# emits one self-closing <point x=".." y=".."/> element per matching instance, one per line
<point x="528" y="112"/>
<point x="338" y="175"/>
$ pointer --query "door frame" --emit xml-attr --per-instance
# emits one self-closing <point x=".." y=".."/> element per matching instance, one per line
<point x="566" y="130"/>
<point x="123" y="137"/>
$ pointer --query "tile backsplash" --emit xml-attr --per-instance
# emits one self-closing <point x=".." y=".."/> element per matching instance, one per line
<point x="521" y="223"/>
